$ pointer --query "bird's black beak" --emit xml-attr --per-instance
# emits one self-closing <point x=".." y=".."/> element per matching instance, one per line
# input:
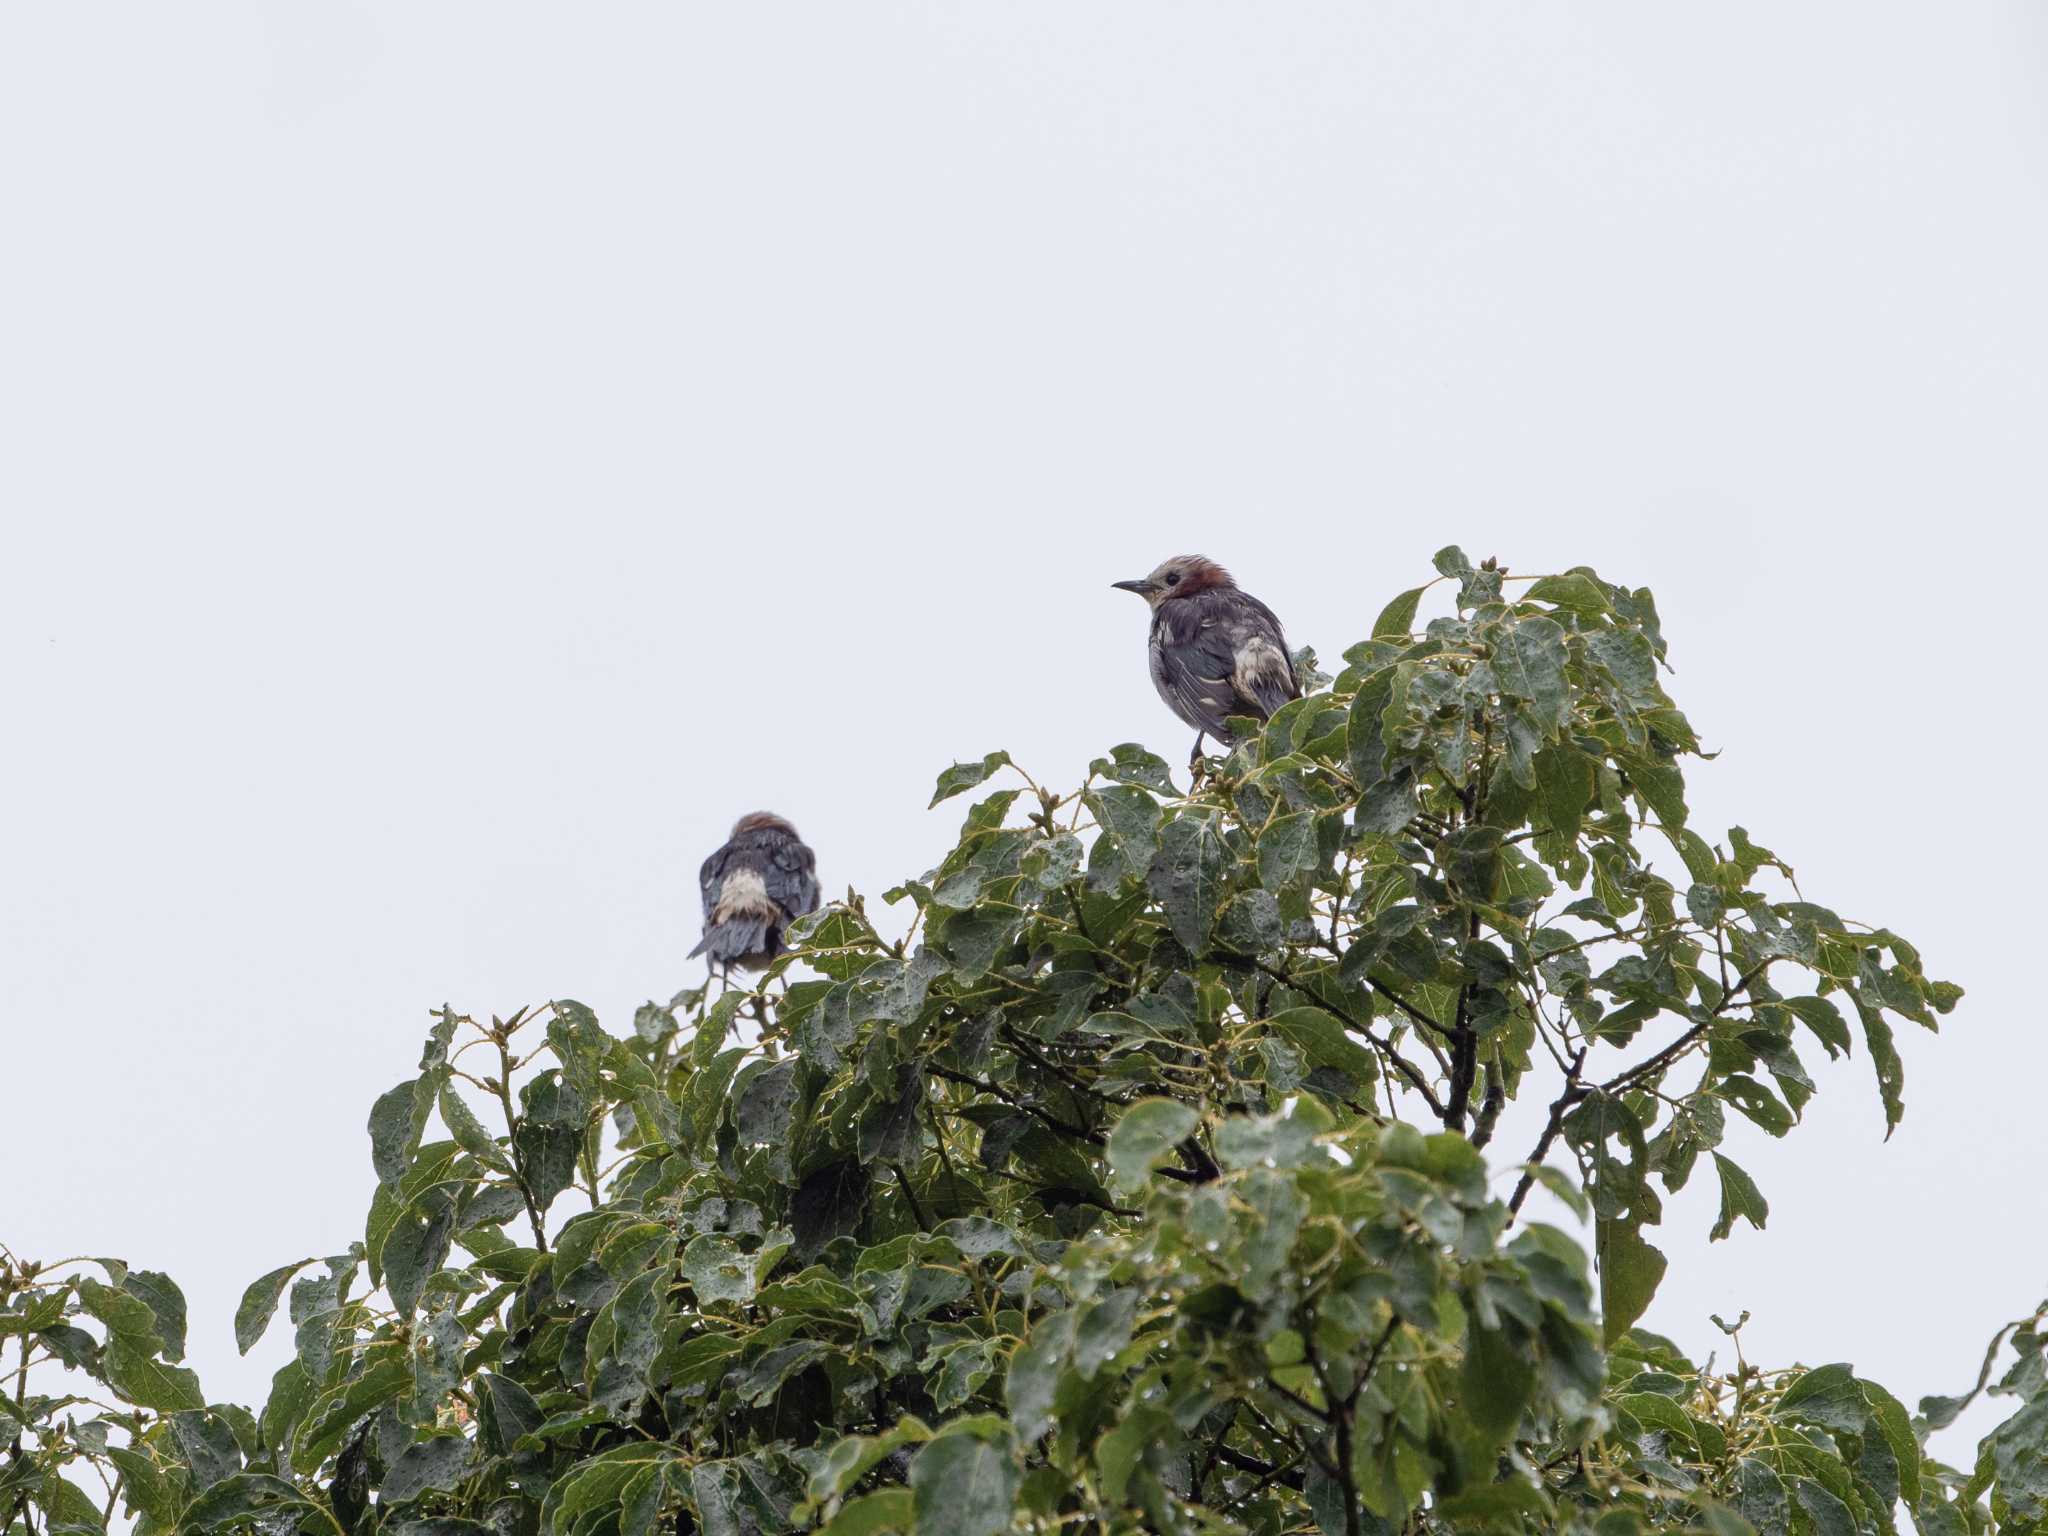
<point x="1141" y="586"/>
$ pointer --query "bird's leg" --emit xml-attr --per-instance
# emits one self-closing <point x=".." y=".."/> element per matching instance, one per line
<point x="1196" y="769"/>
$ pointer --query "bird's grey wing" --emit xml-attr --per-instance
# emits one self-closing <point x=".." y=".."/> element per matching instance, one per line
<point x="710" y="875"/>
<point x="1192" y="663"/>
<point x="1262" y="673"/>
<point x="792" y="877"/>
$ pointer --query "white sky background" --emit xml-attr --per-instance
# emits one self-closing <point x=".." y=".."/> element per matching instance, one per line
<point x="454" y="458"/>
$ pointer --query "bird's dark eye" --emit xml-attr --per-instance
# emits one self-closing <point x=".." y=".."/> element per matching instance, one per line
<point x="1174" y="579"/>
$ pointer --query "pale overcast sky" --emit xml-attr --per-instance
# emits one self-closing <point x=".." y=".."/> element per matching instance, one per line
<point x="456" y="457"/>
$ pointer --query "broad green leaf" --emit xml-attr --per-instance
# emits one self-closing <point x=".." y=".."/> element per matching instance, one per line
<point x="1187" y="878"/>
<point x="1499" y="1380"/>
<point x="1144" y="1135"/>
<point x="1630" y="1271"/>
<point x="1129" y="763"/>
<point x="469" y="1132"/>
<point x="961" y="1485"/>
<point x="396" y="1121"/>
<point x="718" y="1269"/>
<point x="259" y="1304"/>
<point x="1323" y="1042"/>
<point x="148" y="1382"/>
<point x="1574" y="591"/>
<point x="1129" y="819"/>
<point x="849" y="1459"/>
<point x="1453" y="562"/>
<point x="1398" y="617"/>
<point x="962" y="777"/>
<point x="1884" y="1057"/>
<point x="1825" y="1020"/>
<point x="1529" y="658"/>
<point x="160" y="1292"/>
<point x="384" y="1378"/>
<point x="885" y="1510"/>
<point x="128" y="1318"/>
<point x="1288" y="851"/>
<point x="1739" y="1197"/>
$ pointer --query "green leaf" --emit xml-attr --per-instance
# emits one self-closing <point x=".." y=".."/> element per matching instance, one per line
<point x="386" y="1376"/>
<point x="976" y="939"/>
<point x="718" y="1269"/>
<point x="417" y="1246"/>
<point x="600" y="1486"/>
<point x="469" y="1132"/>
<point x="396" y="1121"/>
<point x="1884" y="1056"/>
<point x="767" y="1103"/>
<point x="1365" y="747"/>
<point x="1499" y="1377"/>
<point x="432" y="1465"/>
<point x="148" y="1382"/>
<point x="128" y="1318"/>
<point x="508" y="1412"/>
<point x="1323" y="1041"/>
<point x="1187" y="878"/>
<point x="1739" y="1197"/>
<point x="1129" y="763"/>
<point x="143" y="1484"/>
<point x="1129" y="819"/>
<point x="259" y="1304"/>
<point x="1830" y="1515"/>
<point x="1283" y="1140"/>
<point x="888" y="1509"/>
<point x="67" y="1511"/>
<point x="1630" y="1270"/>
<point x="233" y="1500"/>
<point x="160" y="1292"/>
<point x="1826" y="1395"/>
<point x="1288" y="851"/>
<point x="1472" y="859"/>
<point x="1144" y="1136"/>
<point x="1825" y="1020"/>
<point x="1529" y="658"/>
<point x="1890" y="1416"/>
<point x="1397" y="619"/>
<point x="653" y="1023"/>
<point x="849" y="1459"/>
<point x="962" y="777"/>
<point x="1626" y="657"/>
<point x="963" y="1486"/>
<point x="1573" y="592"/>
<point x="436" y="1364"/>
<point x="1564" y="787"/>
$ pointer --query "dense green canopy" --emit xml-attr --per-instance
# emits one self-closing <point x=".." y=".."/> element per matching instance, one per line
<point x="1149" y="1182"/>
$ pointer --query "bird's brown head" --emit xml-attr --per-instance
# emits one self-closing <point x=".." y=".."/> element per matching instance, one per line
<point x="1182" y="576"/>
<point x="757" y="821"/>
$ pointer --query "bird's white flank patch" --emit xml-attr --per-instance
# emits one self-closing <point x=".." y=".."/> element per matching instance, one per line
<point x="1256" y="656"/>
<point x="742" y="891"/>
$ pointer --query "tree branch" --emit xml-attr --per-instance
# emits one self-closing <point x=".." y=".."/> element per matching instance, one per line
<point x="1560" y="1106"/>
<point x="1394" y="1058"/>
<point x="1677" y="1048"/>
<point x="996" y="1090"/>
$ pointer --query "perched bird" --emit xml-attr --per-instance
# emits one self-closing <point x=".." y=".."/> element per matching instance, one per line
<point x="755" y="886"/>
<point x="1216" y="651"/>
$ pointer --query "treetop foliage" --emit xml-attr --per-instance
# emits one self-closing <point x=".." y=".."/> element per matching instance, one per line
<point x="1149" y="1182"/>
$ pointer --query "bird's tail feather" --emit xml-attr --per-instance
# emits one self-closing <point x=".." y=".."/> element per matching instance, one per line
<point x="735" y="938"/>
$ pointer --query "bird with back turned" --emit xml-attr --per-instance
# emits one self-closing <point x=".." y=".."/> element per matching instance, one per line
<point x="760" y="880"/>
<point x="1216" y="650"/>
